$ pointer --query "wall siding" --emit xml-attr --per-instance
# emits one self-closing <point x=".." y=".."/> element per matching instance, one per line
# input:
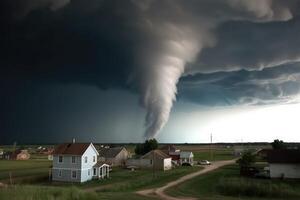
<point x="285" y="170"/>
<point x="80" y="166"/>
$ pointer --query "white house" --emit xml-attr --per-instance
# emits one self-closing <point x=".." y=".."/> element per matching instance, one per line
<point x="77" y="162"/>
<point x="186" y="157"/>
<point x="284" y="163"/>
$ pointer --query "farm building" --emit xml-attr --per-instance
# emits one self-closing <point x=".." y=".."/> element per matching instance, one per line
<point x="116" y="156"/>
<point x="154" y="159"/>
<point x="284" y="163"/>
<point x="172" y="151"/>
<point x="186" y="157"/>
<point x="1" y="153"/>
<point x="77" y="162"/>
<point x="16" y="155"/>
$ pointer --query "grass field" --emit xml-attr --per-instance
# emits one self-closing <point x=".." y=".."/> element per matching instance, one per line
<point x="211" y="186"/>
<point x="19" y="169"/>
<point x="122" y="184"/>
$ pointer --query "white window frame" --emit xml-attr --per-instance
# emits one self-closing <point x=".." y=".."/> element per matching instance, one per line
<point x="59" y="173"/>
<point x="89" y="172"/>
<point x="72" y="174"/>
<point x="85" y="159"/>
<point x="74" y="159"/>
<point x="62" y="159"/>
<point x="94" y="158"/>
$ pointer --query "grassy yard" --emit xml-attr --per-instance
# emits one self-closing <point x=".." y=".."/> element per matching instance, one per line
<point x="226" y="184"/>
<point x="214" y="155"/>
<point x="122" y="184"/>
<point x="20" y="169"/>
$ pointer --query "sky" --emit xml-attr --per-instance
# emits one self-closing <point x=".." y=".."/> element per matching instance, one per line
<point x="124" y="71"/>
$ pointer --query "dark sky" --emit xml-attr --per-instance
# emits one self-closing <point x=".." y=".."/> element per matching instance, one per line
<point x="107" y="71"/>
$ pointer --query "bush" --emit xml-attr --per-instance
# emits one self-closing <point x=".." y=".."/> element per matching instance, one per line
<point x="254" y="188"/>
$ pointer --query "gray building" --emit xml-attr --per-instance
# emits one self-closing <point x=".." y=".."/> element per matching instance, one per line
<point x="115" y="156"/>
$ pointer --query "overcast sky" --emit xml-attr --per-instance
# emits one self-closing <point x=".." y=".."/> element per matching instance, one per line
<point x="127" y="70"/>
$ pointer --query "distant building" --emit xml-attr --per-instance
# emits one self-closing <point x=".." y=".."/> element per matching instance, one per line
<point x="16" y="155"/>
<point x="186" y="157"/>
<point x="1" y="154"/>
<point x="172" y="151"/>
<point x="154" y="159"/>
<point x="115" y="156"/>
<point x="77" y="162"/>
<point x="284" y="163"/>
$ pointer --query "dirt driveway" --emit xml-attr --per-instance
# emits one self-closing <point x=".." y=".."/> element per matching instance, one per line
<point x="160" y="191"/>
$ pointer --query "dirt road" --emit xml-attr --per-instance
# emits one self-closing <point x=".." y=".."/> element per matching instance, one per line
<point x="160" y="191"/>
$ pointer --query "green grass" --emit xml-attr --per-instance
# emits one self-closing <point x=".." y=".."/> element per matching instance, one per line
<point x="23" y="168"/>
<point x="214" y="155"/>
<point x="122" y="185"/>
<point x="226" y="184"/>
<point x="46" y="193"/>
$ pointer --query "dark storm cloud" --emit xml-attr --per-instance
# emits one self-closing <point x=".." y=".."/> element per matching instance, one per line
<point x="279" y="84"/>
<point x="146" y="46"/>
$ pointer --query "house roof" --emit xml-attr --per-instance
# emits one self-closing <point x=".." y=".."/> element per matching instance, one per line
<point x="110" y="152"/>
<point x="101" y="163"/>
<point x="186" y="154"/>
<point x="71" y="148"/>
<point x="168" y="148"/>
<point x="284" y="156"/>
<point x="157" y="153"/>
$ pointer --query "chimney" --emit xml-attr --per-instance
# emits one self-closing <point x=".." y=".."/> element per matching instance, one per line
<point x="73" y="140"/>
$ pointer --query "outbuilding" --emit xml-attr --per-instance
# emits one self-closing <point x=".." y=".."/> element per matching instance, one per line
<point x="284" y="163"/>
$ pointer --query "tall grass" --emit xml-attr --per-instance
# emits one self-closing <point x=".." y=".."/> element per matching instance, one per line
<point x="255" y="188"/>
<point x="27" y="192"/>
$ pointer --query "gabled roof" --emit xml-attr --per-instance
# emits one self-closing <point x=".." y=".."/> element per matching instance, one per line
<point x="284" y="156"/>
<point x="101" y="163"/>
<point x="156" y="153"/>
<point x="186" y="154"/>
<point x="110" y="152"/>
<point x="168" y="147"/>
<point x="72" y="148"/>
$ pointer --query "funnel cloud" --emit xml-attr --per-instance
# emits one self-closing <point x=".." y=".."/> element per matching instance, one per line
<point x="150" y="47"/>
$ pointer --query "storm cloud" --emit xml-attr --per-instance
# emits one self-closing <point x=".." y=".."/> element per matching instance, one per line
<point x="220" y="47"/>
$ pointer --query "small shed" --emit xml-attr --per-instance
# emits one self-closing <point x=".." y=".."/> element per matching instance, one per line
<point x="284" y="163"/>
<point x="186" y="157"/>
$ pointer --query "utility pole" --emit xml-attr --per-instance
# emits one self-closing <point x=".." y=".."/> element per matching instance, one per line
<point x="211" y="138"/>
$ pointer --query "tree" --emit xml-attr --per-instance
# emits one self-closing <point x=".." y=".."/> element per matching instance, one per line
<point x="247" y="159"/>
<point x="278" y="144"/>
<point x="146" y="147"/>
<point x="246" y="164"/>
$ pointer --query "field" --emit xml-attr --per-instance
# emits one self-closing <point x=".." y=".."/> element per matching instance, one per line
<point x="23" y="171"/>
<point x="31" y="178"/>
<point x="226" y="184"/>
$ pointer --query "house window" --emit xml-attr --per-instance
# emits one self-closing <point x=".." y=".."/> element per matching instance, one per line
<point x="94" y="158"/>
<point x="101" y="171"/>
<point x="73" y="159"/>
<point x="85" y="159"/>
<point x="60" y="173"/>
<point x="151" y="162"/>
<point x="94" y="171"/>
<point x="60" y="159"/>
<point x="89" y="172"/>
<point x="74" y="174"/>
